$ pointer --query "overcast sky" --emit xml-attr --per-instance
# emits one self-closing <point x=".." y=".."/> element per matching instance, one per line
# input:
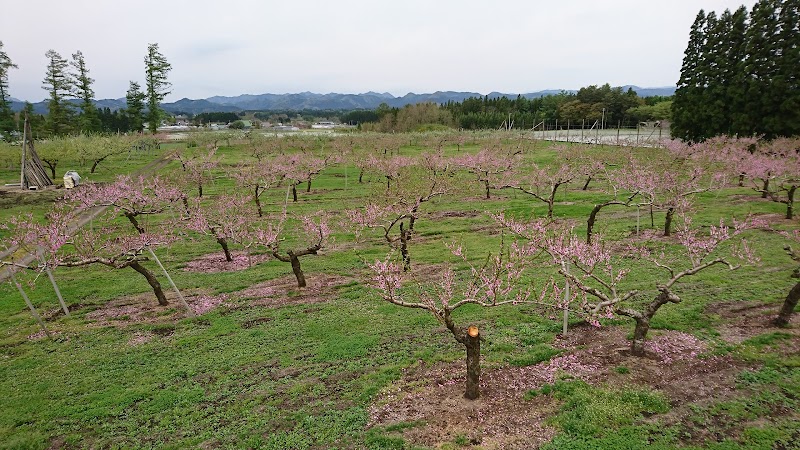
<point x="354" y="46"/>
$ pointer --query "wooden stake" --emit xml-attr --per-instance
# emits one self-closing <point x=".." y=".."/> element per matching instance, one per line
<point x="28" y="302"/>
<point x="53" y="282"/>
<point x="24" y="156"/>
<point x="58" y="292"/>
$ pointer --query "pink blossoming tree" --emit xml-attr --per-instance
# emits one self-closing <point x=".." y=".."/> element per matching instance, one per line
<point x="597" y="272"/>
<point x="496" y="283"/>
<point x="224" y="218"/>
<point x="314" y="234"/>
<point x="397" y="211"/>
<point x="488" y="166"/>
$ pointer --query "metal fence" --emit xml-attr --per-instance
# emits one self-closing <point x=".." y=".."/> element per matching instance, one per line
<point x="642" y="135"/>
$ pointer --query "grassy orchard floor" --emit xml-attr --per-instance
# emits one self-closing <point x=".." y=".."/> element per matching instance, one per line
<point x="332" y="366"/>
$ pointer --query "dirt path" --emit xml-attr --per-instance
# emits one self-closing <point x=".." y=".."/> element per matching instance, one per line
<point x="85" y="218"/>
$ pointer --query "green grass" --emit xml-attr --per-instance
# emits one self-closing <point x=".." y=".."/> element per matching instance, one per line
<point x="304" y="375"/>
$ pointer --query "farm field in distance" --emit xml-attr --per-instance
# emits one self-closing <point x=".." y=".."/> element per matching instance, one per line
<point x="258" y="362"/>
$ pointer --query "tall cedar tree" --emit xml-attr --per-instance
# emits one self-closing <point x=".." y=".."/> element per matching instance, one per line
<point x="787" y="72"/>
<point x="135" y="110"/>
<point x="58" y="83"/>
<point x="156" y="84"/>
<point x="740" y="75"/>
<point x="760" y="67"/>
<point x="727" y="47"/>
<point x="687" y="106"/>
<point x="89" y="119"/>
<point x="6" y="115"/>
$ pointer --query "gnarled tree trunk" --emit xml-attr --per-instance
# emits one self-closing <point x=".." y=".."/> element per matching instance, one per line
<point x="152" y="280"/>
<point x="294" y="258"/>
<point x="790" y="202"/>
<point x="668" y="222"/>
<point x="224" y="244"/>
<point x="593" y="217"/>
<point x="788" y="307"/>
<point x="298" y="272"/>
<point x="643" y="318"/>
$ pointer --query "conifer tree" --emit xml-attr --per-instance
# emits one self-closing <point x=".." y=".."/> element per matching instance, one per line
<point x="687" y="106"/>
<point x="59" y="85"/>
<point x="89" y="119"/>
<point x="156" y="84"/>
<point x="6" y="115"/>
<point x="786" y="85"/>
<point x="736" y="89"/>
<point x="135" y="110"/>
<point x="760" y="67"/>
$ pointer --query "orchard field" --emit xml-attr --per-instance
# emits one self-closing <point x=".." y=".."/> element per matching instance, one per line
<point x="669" y="263"/>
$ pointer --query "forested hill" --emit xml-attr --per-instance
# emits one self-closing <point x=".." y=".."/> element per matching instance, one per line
<point x="309" y="100"/>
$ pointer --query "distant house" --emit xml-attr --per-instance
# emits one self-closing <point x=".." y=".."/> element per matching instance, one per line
<point x="323" y="125"/>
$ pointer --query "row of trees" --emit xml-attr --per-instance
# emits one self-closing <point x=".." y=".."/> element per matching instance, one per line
<point x="611" y="105"/>
<point x="595" y="269"/>
<point x="606" y="104"/>
<point x="740" y="73"/>
<point x="69" y="86"/>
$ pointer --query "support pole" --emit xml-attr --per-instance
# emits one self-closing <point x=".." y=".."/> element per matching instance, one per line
<point x="637" y="134"/>
<point x="566" y="304"/>
<point x="583" y="124"/>
<point x="637" y="219"/>
<point x="28" y="302"/>
<point x="596" y="133"/>
<point x="22" y="184"/>
<point x="53" y="282"/>
<point x="177" y="291"/>
<point x="58" y="291"/>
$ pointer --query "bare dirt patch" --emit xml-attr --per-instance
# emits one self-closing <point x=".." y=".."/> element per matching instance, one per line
<point x="742" y="320"/>
<point x="502" y="419"/>
<point x="453" y="214"/>
<point x="284" y="291"/>
<point x="143" y="308"/>
<point x="215" y="262"/>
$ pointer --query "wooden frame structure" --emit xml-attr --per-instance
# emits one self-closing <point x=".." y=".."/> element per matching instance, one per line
<point x="32" y="173"/>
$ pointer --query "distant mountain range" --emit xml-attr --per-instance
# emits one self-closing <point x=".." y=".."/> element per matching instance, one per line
<point x="310" y="100"/>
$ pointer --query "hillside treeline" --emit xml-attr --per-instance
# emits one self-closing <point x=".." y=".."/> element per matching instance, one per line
<point x="610" y="105"/>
